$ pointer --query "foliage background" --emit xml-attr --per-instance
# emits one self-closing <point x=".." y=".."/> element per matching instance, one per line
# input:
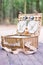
<point x="9" y="9"/>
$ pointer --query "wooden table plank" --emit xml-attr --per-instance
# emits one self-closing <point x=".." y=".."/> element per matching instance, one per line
<point x="14" y="59"/>
<point x="39" y="56"/>
<point x="34" y="60"/>
<point x="3" y="58"/>
<point x="25" y="59"/>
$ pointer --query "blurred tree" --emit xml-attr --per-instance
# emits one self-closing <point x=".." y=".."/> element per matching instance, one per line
<point x="7" y="7"/>
<point x="1" y="12"/>
<point x="25" y="3"/>
<point x="41" y="5"/>
<point x="38" y="6"/>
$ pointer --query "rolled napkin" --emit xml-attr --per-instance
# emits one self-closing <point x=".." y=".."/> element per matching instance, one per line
<point x="7" y="49"/>
<point x="32" y="48"/>
<point x="17" y="51"/>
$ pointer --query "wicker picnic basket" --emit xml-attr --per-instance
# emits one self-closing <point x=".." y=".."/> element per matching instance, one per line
<point x="9" y="43"/>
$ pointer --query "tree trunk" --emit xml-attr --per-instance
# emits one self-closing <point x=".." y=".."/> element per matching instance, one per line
<point x="25" y="6"/>
<point x="37" y="6"/>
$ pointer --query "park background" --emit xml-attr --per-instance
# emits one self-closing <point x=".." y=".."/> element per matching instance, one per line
<point x="9" y="9"/>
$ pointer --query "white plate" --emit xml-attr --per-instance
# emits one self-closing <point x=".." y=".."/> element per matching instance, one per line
<point x="32" y="26"/>
<point x="21" y="26"/>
